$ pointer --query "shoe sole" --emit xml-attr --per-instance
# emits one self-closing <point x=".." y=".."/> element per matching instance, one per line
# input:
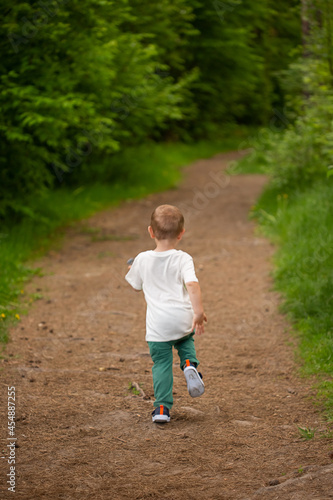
<point x="161" y="419"/>
<point x="195" y="385"/>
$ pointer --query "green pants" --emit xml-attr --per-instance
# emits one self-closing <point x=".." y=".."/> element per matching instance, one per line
<point x="161" y="354"/>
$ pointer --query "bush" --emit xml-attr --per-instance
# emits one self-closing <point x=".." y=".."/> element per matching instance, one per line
<point x="301" y="224"/>
<point x="73" y="81"/>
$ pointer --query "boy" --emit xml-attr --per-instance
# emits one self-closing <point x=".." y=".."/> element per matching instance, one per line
<point x="174" y="307"/>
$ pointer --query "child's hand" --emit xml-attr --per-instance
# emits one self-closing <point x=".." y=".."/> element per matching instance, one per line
<point x="198" y="323"/>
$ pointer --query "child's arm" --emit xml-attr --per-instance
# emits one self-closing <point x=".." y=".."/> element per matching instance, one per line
<point x="133" y="276"/>
<point x="194" y="292"/>
<point x="128" y="268"/>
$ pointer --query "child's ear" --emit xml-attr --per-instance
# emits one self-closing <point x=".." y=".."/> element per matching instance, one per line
<point x="180" y="235"/>
<point x="151" y="232"/>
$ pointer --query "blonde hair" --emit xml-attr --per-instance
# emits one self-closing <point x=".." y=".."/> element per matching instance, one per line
<point x="167" y="222"/>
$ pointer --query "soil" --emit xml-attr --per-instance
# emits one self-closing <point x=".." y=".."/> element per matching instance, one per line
<point x="83" y="433"/>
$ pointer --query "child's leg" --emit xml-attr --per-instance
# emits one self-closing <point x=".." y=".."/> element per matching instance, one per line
<point x="186" y="350"/>
<point x="161" y="354"/>
<point x="187" y="354"/>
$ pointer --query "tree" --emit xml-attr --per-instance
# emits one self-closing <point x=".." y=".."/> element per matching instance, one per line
<point x="73" y="81"/>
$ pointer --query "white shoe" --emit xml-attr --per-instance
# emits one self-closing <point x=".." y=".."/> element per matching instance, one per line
<point x="161" y="415"/>
<point x="195" y="385"/>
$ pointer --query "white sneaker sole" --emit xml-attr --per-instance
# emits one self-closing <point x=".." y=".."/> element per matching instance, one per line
<point x="195" y="385"/>
<point x="161" y="419"/>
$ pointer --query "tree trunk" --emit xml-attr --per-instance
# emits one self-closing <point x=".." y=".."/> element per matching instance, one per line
<point x="329" y="37"/>
<point x="306" y="31"/>
<point x="306" y="27"/>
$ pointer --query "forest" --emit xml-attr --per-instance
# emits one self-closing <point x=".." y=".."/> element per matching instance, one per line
<point x="103" y="100"/>
<point x="83" y="81"/>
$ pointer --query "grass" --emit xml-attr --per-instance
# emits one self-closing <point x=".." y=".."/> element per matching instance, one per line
<point x="252" y="163"/>
<point x="301" y="223"/>
<point x="133" y="389"/>
<point x="306" y="433"/>
<point x="149" y="168"/>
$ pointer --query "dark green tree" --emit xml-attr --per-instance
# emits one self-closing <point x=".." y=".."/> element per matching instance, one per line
<point x="242" y="47"/>
<point x="73" y="81"/>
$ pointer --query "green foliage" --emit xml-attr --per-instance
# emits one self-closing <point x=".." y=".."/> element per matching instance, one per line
<point x="83" y="80"/>
<point x="75" y="83"/>
<point x="301" y="224"/>
<point x="302" y="154"/>
<point x="133" y="389"/>
<point x="305" y="434"/>
<point x="144" y="164"/>
<point x="295" y="210"/>
<point x="325" y="396"/>
<point x="242" y="46"/>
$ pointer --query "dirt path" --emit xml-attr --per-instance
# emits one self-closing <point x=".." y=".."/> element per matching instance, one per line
<point x="82" y="434"/>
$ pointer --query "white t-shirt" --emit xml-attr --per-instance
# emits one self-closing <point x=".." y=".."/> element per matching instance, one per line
<point x="162" y="277"/>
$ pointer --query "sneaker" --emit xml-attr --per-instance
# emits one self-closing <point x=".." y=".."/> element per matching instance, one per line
<point x="195" y="385"/>
<point x="161" y="414"/>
